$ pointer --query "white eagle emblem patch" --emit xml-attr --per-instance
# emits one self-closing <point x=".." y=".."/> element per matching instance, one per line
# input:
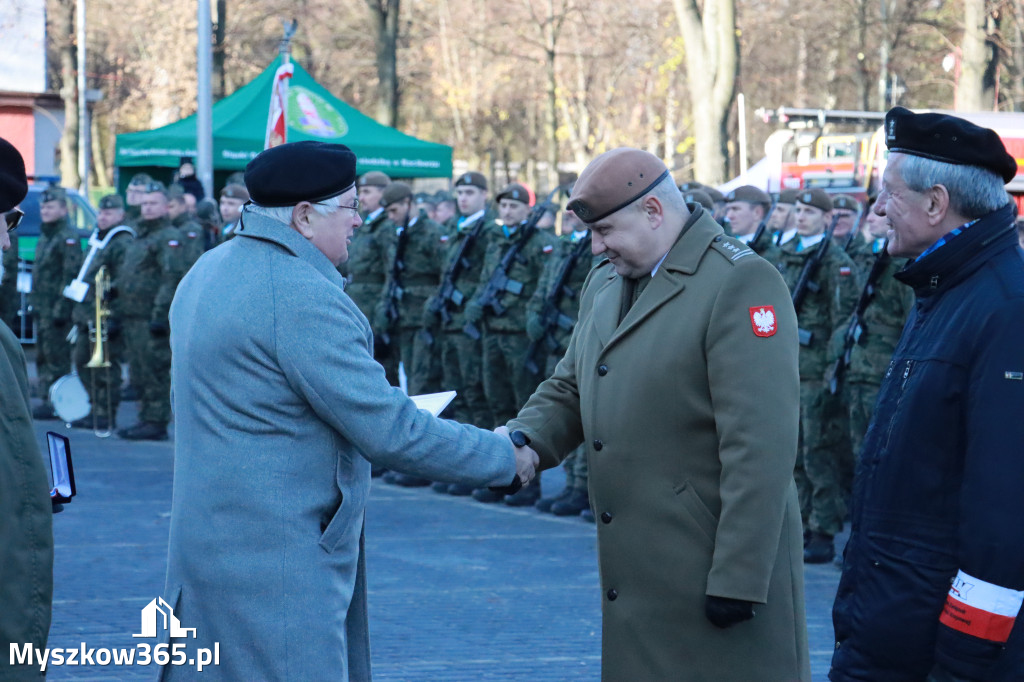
<point x="762" y="320"/>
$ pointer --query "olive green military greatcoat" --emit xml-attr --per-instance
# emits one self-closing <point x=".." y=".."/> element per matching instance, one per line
<point x="689" y="410"/>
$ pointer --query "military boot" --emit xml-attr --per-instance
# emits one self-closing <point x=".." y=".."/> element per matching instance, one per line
<point x="100" y="424"/>
<point x="440" y="487"/>
<point x="526" y="497"/>
<point x="819" y="549"/>
<point x="544" y="504"/>
<point x="487" y="496"/>
<point x="460" y="489"/>
<point x="572" y="505"/>
<point x="145" y="431"/>
<point x="407" y="481"/>
<point x="587" y="515"/>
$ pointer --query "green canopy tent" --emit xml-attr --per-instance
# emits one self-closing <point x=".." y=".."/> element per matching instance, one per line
<point x="239" y="129"/>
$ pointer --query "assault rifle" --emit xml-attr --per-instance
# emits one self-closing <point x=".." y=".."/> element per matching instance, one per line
<point x="550" y="315"/>
<point x="806" y="282"/>
<point x="394" y="292"/>
<point x="762" y="226"/>
<point x="449" y="296"/>
<point x="855" y="330"/>
<point x="489" y="297"/>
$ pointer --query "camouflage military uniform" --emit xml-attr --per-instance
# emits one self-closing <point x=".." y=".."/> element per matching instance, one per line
<point x="823" y="314"/>
<point x="461" y="356"/>
<point x="10" y="299"/>
<point x="153" y="264"/>
<point x="366" y="270"/>
<point x="193" y="238"/>
<point x="882" y="325"/>
<point x="567" y="311"/>
<point x="507" y="383"/>
<point x="102" y="385"/>
<point x="418" y="278"/>
<point x="57" y="261"/>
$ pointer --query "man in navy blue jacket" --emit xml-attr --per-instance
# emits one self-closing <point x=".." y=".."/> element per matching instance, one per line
<point x="933" y="578"/>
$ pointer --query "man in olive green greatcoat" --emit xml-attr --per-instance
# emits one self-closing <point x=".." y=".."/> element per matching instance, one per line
<point x="681" y="378"/>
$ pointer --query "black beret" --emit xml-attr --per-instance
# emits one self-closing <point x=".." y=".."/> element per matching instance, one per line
<point x="112" y="201"/>
<point x="300" y="171"/>
<point x="749" y="194"/>
<point x="472" y="179"/>
<point x="53" y="193"/>
<point x="949" y="139"/>
<point x="13" y="183"/>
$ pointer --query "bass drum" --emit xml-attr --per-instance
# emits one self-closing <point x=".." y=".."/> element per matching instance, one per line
<point x="69" y="398"/>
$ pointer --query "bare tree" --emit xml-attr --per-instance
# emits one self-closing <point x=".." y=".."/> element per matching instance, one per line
<point x="979" y="58"/>
<point x="712" y="64"/>
<point x="385" y="19"/>
<point x="63" y="32"/>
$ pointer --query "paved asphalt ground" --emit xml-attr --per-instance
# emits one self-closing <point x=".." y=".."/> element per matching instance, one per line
<point x="458" y="590"/>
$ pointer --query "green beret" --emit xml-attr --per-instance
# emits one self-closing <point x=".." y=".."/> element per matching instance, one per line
<point x="53" y="193"/>
<point x="845" y="201"/>
<point x="140" y="179"/>
<point x="472" y="179"/>
<point x="788" y="196"/>
<point x="715" y="195"/>
<point x="515" y="192"/>
<point x="395" y="192"/>
<point x="691" y="186"/>
<point x="613" y="181"/>
<point x="374" y="179"/>
<point x="112" y="201"/>
<point x="948" y="139"/>
<point x="234" y="191"/>
<point x="698" y="196"/>
<point x="155" y="186"/>
<point x="749" y="194"/>
<point x="818" y="198"/>
<point x="175" y="191"/>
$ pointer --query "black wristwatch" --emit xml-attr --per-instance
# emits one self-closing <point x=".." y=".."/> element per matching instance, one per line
<point x="518" y="438"/>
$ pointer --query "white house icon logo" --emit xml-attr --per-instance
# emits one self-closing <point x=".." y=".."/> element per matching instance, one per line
<point x="170" y="621"/>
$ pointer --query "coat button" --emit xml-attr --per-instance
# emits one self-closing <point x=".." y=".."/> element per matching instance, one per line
<point x="606" y="517"/>
<point x="598" y="444"/>
<point x="602" y="370"/>
<point x="612" y="595"/>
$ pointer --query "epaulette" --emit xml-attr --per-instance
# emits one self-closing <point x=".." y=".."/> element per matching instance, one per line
<point x="731" y="249"/>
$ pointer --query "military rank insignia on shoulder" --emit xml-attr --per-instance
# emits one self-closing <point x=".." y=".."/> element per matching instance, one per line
<point x="762" y="320"/>
<point x="730" y="248"/>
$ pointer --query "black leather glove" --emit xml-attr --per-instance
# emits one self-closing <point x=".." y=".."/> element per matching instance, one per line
<point x="159" y="330"/>
<point x="724" y="612"/>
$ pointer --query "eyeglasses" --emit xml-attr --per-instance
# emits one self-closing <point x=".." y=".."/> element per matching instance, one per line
<point x="354" y="207"/>
<point x="13" y="218"/>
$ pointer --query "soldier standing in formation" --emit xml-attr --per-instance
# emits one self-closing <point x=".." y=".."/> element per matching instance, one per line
<point x="553" y="312"/>
<point x="183" y="218"/>
<point x="498" y="315"/>
<point x="746" y="209"/>
<point x="102" y="385"/>
<point x="133" y="197"/>
<point x="232" y="198"/>
<point x="782" y="223"/>
<point x="828" y="297"/>
<point x="9" y="297"/>
<point x="367" y="255"/>
<point x="154" y="262"/>
<point x="57" y="261"/>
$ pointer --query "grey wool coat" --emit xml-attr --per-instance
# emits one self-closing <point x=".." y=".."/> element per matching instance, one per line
<point x="689" y="411"/>
<point x="279" y="411"/>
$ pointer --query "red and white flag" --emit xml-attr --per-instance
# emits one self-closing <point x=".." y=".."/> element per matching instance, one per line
<point x="277" y="123"/>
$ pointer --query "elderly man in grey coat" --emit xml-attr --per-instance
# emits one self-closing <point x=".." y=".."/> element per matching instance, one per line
<point x="279" y="411"/>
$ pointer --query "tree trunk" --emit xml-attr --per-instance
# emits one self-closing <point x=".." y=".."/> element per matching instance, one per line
<point x="974" y="58"/>
<point x="65" y="23"/>
<point x="99" y="158"/>
<point x="550" y="179"/>
<point x="385" y="19"/>
<point x="220" y="30"/>
<point x="712" y="63"/>
<point x="1017" y="79"/>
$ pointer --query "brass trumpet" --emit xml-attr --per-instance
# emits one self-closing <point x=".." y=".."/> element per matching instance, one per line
<point x="100" y="361"/>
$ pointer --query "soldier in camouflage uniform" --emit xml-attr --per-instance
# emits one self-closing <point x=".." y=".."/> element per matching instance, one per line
<point x="552" y="314"/>
<point x="154" y="262"/>
<point x="413" y="258"/>
<point x="232" y="198"/>
<point x="881" y="326"/>
<point x="507" y="383"/>
<point x="826" y="307"/>
<point x="782" y="222"/>
<point x="102" y="385"/>
<point x="10" y="298"/>
<point x="367" y="265"/>
<point x="133" y="197"/>
<point x="461" y="356"/>
<point x="57" y="261"/>
<point x="445" y="212"/>
<point x="746" y="207"/>
<point x="192" y="237"/>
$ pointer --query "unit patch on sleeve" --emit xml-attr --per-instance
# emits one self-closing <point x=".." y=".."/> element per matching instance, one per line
<point x="762" y="320"/>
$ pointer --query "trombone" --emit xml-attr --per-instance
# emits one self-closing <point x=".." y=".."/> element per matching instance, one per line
<point x="100" y="359"/>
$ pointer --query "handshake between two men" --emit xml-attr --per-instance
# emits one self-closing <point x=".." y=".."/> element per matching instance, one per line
<point x="527" y="459"/>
